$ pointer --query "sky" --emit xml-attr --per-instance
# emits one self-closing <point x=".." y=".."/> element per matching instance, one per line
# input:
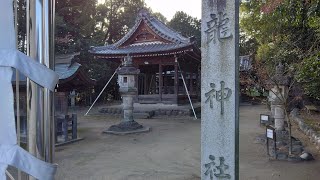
<point x="169" y="7"/>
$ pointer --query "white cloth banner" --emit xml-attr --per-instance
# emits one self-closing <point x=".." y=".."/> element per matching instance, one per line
<point x="10" y="152"/>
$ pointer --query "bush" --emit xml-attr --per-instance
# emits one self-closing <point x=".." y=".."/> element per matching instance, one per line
<point x="309" y="76"/>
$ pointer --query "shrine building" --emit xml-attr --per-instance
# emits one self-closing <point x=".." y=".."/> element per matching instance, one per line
<point x="72" y="79"/>
<point x="166" y="60"/>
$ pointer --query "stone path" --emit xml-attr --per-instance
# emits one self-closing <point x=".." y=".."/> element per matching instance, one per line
<point x="171" y="151"/>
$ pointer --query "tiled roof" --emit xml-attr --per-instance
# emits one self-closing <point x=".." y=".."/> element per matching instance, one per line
<point x="176" y="40"/>
<point x="140" y="48"/>
<point x="63" y="70"/>
<point x="70" y="73"/>
<point x="65" y="58"/>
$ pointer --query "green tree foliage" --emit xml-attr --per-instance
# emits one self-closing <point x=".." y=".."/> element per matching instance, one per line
<point x="75" y="25"/>
<point x="248" y="46"/>
<point x="284" y="31"/>
<point x="309" y="76"/>
<point x="81" y="24"/>
<point x="187" y="25"/>
<point x="160" y="17"/>
<point x="115" y="17"/>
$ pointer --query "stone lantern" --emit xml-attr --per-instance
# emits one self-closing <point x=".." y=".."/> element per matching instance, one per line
<point x="127" y="74"/>
<point x="278" y="96"/>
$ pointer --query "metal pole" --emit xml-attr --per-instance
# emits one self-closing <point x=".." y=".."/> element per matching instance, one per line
<point x="267" y="141"/>
<point x="275" y="143"/>
<point x="48" y="13"/>
<point x="33" y="106"/>
<point x="17" y="82"/>
<point x="40" y="23"/>
<point x="185" y="86"/>
<point x="102" y="91"/>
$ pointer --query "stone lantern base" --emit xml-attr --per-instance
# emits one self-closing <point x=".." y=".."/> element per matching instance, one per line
<point x="127" y="74"/>
<point x="128" y="127"/>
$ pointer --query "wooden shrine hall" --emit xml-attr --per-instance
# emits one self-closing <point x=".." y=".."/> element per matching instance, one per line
<point x="165" y="58"/>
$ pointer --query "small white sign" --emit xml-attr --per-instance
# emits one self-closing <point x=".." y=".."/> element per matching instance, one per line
<point x="264" y="117"/>
<point x="270" y="133"/>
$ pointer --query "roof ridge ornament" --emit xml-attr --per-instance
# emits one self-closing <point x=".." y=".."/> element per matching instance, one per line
<point x="143" y="12"/>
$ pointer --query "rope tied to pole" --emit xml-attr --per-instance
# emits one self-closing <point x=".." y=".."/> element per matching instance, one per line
<point x="102" y="90"/>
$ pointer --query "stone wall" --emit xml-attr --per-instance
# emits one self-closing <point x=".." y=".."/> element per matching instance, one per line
<point x="313" y="135"/>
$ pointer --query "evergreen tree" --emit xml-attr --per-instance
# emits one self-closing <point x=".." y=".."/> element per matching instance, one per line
<point x="187" y="25"/>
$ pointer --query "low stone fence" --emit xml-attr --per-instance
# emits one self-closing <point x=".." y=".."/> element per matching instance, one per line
<point x="151" y="113"/>
<point x="313" y="135"/>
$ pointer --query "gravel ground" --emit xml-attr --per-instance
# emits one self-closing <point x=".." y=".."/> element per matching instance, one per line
<point x="171" y="151"/>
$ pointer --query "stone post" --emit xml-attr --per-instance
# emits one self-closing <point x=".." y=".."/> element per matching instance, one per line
<point x="73" y="98"/>
<point x="126" y="79"/>
<point x="61" y="104"/>
<point x="279" y="117"/>
<point x="219" y="90"/>
<point x="127" y="108"/>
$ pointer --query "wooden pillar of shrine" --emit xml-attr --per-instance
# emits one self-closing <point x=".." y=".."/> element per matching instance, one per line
<point x="176" y="79"/>
<point x="165" y="83"/>
<point x="197" y="83"/>
<point x="145" y="77"/>
<point x="160" y="81"/>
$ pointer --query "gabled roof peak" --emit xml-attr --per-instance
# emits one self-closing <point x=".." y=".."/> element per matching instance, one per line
<point x="167" y="38"/>
<point x="143" y="13"/>
<point x="155" y="25"/>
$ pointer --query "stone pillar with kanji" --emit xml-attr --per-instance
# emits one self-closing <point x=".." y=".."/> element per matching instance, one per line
<point x="127" y="74"/>
<point x="219" y="90"/>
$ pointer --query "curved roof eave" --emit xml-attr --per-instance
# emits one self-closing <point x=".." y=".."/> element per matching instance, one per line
<point x="145" y="49"/>
<point x="155" y="25"/>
